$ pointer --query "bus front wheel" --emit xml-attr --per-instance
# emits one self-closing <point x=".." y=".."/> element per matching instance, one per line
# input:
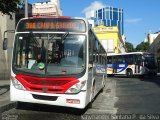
<point x="92" y="96"/>
<point x="129" y="73"/>
<point x="18" y="105"/>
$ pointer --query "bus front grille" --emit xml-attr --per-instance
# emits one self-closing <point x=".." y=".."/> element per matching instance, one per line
<point x="46" y="85"/>
<point x="42" y="97"/>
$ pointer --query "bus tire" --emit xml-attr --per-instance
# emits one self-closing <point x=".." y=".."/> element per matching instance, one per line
<point x="110" y="75"/>
<point x="92" y="96"/>
<point x="18" y="105"/>
<point x="103" y="85"/>
<point x="92" y="93"/>
<point x="23" y="105"/>
<point x="129" y="73"/>
<point x="141" y="76"/>
<point x="90" y="105"/>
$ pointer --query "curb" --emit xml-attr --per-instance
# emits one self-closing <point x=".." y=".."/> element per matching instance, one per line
<point x="6" y="107"/>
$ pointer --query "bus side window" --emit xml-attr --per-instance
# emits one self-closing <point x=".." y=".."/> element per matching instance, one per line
<point x="120" y="59"/>
<point x="129" y="59"/>
<point x="115" y="59"/>
<point x="123" y="60"/>
<point x="91" y="49"/>
<point x="109" y="60"/>
<point x="138" y="60"/>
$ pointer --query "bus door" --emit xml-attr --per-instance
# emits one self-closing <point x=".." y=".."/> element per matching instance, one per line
<point x="109" y="65"/>
<point x="138" y="63"/>
<point x="115" y="64"/>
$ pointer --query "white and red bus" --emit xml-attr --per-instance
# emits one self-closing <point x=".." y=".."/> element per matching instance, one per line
<point x="56" y="61"/>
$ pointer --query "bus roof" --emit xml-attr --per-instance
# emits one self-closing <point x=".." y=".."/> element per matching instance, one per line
<point x="63" y="17"/>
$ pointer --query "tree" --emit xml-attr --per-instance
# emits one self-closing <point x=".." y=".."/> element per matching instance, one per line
<point x="9" y="6"/>
<point x="143" y="46"/>
<point x="130" y="47"/>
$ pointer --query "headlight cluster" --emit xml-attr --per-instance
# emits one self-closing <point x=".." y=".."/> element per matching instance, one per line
<point x="76" y="88"/>
<point x="17" y="84"/>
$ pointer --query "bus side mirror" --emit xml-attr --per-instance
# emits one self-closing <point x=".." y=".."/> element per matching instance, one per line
<point x="5" y="42"/>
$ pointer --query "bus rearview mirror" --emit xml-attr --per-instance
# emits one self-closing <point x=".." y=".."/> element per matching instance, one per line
<point x="5" y="42"/>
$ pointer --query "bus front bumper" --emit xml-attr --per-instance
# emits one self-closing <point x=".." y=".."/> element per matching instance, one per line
<point x="66" y="100"/>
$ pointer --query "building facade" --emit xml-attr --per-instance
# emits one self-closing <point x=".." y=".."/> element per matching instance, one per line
<point x="154" y="46"/>
<point x="110" y="39"/>
<point x="110" y="16"/>
<point x="152" y="37"/>
<point x="20" y="13"/>
<point x="5" y="55"/>
<point x="49" y="8"/>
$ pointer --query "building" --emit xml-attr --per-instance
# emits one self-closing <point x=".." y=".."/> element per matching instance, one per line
<point x="20" y="13"/>
<point x="9" y="24"/>
<point x="110" y="39"/>
<point x="154" y="46"/>
<point x="5" y="56"/>
<point x="152" y="37"/>
<point x="110" y="16"/>
<point x="49" y="8"/>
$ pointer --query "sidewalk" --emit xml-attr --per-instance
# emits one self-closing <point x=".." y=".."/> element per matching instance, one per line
<point x="5" y="103"/>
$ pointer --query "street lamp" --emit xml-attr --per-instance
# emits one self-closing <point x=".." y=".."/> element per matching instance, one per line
<point x="26" y="8"/>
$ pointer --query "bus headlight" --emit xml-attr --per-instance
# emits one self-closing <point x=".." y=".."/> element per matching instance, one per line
<point x="17" y="84"/>
<point x="76" y="88"/>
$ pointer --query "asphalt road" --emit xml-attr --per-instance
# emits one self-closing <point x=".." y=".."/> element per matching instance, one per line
<point x="138" y="96"/>
<point x="137" y="99"/>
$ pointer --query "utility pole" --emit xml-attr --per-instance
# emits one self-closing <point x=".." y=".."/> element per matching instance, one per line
<point x="26" y="8"/>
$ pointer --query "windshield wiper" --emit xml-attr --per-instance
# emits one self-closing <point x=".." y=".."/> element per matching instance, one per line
<point x="65" y="35"/>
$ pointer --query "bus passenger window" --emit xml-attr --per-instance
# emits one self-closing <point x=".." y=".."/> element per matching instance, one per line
<point x="109" y="60"/>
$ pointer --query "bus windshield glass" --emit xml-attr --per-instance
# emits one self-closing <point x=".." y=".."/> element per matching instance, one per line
<point x="49" y="53"/>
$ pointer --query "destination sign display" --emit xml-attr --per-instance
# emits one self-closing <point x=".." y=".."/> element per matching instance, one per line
<point x="52" y="24"/>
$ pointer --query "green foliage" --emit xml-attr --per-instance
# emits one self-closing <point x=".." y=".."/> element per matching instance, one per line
<point x="9" y="6"/>
<point x="130" y="47"/>
<point x="143" y="46"/>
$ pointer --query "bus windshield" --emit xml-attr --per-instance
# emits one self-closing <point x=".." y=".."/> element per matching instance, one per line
<point x="49" y="53"/>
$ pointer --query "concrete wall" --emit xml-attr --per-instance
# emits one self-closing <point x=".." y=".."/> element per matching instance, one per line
<point x="5" y="56"/>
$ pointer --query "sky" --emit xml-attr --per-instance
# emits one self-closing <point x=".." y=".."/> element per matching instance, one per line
<point x="140" y="16"/>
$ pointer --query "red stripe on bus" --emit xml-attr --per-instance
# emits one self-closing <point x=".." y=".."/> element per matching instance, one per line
<point x="46" y="85"/>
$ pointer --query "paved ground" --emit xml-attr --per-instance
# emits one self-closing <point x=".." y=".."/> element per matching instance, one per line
<point x="5" y="103"/>
<point x="36" y="112"/>
<point x="138" y="96"/>
<point x="116" y="93"/>
<point x="100" y="106"/>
